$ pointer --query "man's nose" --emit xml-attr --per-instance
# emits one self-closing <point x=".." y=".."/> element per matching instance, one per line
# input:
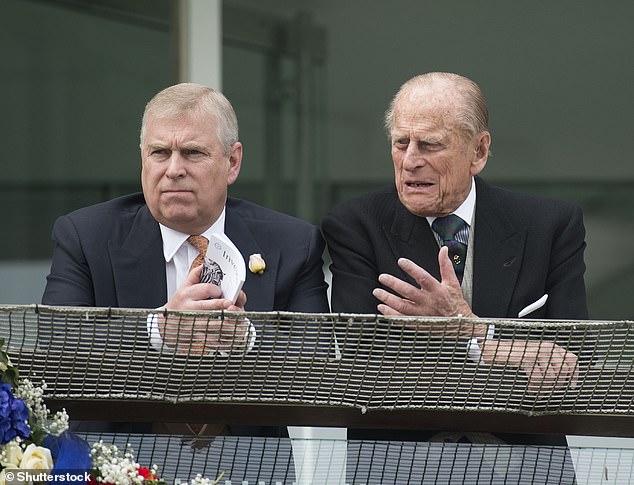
<point x="413" y="157"/>
<point x="176" y="166"/>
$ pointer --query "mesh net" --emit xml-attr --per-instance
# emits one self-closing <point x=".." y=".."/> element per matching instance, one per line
<point x="365" y="364"/>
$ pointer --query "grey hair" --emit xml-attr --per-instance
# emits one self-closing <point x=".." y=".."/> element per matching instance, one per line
<point x="473" y="114"/>
<point x="190" y="98"/>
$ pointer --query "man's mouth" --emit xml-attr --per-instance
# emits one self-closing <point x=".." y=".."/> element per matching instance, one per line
<point x="418" y="184"/>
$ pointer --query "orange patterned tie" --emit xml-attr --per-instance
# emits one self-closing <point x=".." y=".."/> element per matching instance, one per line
<point x="200" y="243"/>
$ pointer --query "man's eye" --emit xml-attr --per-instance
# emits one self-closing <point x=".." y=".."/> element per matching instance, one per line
<point x="431" y="146"/>
<point x="159" y="152"/>
<point x="401" y="142"/>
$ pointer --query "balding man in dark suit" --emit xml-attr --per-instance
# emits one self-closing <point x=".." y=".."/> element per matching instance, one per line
<point x="443" y="242"/>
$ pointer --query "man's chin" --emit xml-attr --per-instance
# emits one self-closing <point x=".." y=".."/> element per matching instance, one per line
<point x="182" y="222"/>
<point x="418" y="207"/>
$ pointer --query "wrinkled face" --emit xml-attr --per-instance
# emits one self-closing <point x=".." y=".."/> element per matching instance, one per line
<point x="185" y="173"/>
<point x="433" y="159"/>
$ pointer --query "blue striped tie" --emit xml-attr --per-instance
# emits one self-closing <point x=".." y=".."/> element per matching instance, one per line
<point x="453" y="233"/>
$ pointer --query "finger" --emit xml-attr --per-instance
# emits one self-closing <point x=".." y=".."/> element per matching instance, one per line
<point x="397" y="304"/>
<point x="570" y="363"/>
<point x="241" y="301"/>
<point x="564" y="365"/>
<point x="541" y="377"/>
<point x="557" y="370"/>
<point x="422" y="277"/>
<point x="208" y="304"/>
<point x="545" y="367"/>
<point x="193" y="277"/>
<point x="205" y="291"/>
<point x="391" y="312"/>
<point x="400" y="287"/>
<point x="447" y="273"/>
<point x="387" y="310"/>
<point x="230" y="333"/>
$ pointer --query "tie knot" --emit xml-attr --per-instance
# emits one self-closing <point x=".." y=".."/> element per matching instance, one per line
<point x="200" y="243"/>
<point x="448" y="227"/>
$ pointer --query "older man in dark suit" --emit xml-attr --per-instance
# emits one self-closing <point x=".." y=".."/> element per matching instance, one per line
<point x="443" y="242"/>
<point x="509" y="253"/>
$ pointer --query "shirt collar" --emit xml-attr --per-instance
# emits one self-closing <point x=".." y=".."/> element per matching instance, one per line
<point x="466" y="209"/>
<point x="173" y="240"/>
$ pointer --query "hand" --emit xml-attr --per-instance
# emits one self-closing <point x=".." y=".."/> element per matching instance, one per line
<point x="194" y="295"/>
<point x="430" y="298"/>
<point x="200" y="334"/>
<point x="547" y="365"/>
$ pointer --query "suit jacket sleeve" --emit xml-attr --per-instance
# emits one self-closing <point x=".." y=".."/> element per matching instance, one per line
<point x="565" y="284"/>
<point x="308" y="293"/>
<point x="69" y="282"/>
<point x="354" y="268"/>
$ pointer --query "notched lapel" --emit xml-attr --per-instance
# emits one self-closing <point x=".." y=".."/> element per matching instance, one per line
<point x="138" y="265"/>
<point x="498" y="254"/>
<point x="260" y="289"/>
<point x="411" y="237"/>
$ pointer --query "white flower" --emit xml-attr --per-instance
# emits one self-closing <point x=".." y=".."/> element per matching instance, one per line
<point x="33" y="397"/>
<point x="257" y="264"/>
<point x="11" y="454"/>
<point x="37" y="458"/>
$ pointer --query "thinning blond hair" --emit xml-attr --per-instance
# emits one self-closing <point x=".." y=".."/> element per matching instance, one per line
<point x="188" y="99"/>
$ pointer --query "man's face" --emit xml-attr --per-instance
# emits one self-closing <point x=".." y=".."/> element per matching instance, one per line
<point x="433" y="160"/>
<point x="185" y="172"/>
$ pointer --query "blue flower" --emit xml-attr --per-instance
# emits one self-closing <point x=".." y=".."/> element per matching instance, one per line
<point x="13" y="415"/>
<point x="69" y="452"/>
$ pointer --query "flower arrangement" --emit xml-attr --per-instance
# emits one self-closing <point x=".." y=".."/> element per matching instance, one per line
<point x="38" y="443"/>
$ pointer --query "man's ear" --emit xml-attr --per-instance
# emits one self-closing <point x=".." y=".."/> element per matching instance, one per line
<point x="483" y="142"/>
<point x="235" y="162"/>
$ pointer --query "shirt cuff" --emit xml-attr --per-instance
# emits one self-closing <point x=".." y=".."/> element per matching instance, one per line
<point x="473" y="346"/>
<point x="154" y="333"/>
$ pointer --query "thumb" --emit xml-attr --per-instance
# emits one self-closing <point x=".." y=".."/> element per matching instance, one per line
<point x="193" y="277"/>
<point x="447" y="273"/>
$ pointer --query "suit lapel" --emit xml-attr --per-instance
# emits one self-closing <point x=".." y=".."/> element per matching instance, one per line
<point x="260" y="289"/>
<point x="498" y="252"/>
<point x="138" y="264"/>
<point x="411" y="237"/>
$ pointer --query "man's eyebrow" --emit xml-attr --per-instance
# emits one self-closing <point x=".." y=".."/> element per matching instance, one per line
<point x="433" y="140"/>
<point x="192" y="145"/>
<point x="154" y="145"/>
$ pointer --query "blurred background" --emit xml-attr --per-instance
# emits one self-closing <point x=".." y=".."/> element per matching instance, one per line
<point x="310" y="81"/>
